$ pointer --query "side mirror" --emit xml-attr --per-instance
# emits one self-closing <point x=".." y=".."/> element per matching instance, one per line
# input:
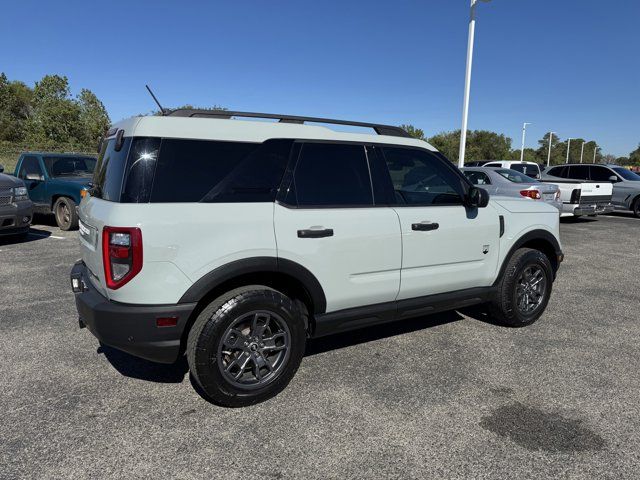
<point x="613" y="179"/>
<point x="1" y="168"/>
<point x="34" y="176"/>
<point x="477" y="198"/>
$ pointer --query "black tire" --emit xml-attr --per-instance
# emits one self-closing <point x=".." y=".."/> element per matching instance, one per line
<point x="636" y="208"/>
<point x="211" y="365"/>
<point x="506" y="306"/>
<point x="65" y="212"/>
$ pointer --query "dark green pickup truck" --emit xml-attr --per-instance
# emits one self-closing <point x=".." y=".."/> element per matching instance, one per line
<point x="56" y="183"/>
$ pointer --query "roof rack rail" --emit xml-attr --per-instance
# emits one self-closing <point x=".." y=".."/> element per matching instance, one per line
<point x="390" y="130"/>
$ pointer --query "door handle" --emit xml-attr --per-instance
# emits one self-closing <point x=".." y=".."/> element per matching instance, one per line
<point x="425" y="226"/>
<point x="315" y="232"/>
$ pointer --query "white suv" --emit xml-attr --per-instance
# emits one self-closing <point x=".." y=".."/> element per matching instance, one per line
<point x="233" y="241"/>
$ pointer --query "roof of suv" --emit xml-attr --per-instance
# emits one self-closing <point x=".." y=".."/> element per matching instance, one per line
<point x="204" y="128"/>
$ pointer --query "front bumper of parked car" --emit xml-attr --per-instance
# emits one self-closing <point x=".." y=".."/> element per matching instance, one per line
<point x="152" y="332"/>
<point x="15" y="218"/>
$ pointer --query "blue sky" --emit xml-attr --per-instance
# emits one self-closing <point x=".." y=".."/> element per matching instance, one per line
<point x="569" y="66"/>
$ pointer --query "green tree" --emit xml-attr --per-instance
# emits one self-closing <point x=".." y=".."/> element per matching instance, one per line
<point x="634" y="157"/>
<point x="15" y="108"/>
<point x="55" y="116"/>
<point x="481" y="145"/>
<point x="93" y="118"/>
<point x="413" y="131"/>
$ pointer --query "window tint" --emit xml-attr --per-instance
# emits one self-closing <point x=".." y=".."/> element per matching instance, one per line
<point x="477" y="178"/>
<point x="69" y="166"/>
<point x="579" y="172"/>
<point x="492" y="165"/>
<point x="515" y="176"/>
<point x="420" y="178"/>
<point x="557" y="171"/>
<point x="331" y="175"/>
<point x="627" y="174"/>
<point x="30" y="165"/>
<point x="600" y="174"/>
<point x="526" y="168"/>
<point x="212" y="171"/>
<point x="107" y="176"/>
<point x="141" y="166"/>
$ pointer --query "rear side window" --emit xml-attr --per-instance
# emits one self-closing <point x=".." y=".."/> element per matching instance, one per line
<point x="213" y="171"/>
<point x="331" y="175"/>
<point x="477" y="178"/>
<point x="579" y="172"/>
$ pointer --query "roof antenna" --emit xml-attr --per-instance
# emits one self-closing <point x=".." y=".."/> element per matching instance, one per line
<point x="156" y="100"/>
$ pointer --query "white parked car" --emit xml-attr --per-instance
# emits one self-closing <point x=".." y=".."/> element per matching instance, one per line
<point x="233" y="241"/>
<point x="530" y="169"/>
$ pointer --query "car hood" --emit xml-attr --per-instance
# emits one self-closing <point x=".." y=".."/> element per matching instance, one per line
<point x="522" y="205"/>
<point x="7" y="181"/>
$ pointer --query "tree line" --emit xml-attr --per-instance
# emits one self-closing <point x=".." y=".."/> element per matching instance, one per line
<point x="47" y="115"/>
<point x="487" y="145"/>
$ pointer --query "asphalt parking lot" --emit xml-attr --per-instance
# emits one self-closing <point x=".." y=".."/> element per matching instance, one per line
<point x="437" y="397"/>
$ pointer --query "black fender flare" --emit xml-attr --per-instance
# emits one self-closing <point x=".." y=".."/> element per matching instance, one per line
<point x="237" y="268"/>
<point x="534" y="235"/>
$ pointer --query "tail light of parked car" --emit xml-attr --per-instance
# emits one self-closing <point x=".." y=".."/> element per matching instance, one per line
<point x="535" y="194"/>
<point x="557" y="196"/>
<point x="121" y="255"/>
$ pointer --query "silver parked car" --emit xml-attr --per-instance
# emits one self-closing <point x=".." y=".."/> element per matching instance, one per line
<point x="511" y="183"/>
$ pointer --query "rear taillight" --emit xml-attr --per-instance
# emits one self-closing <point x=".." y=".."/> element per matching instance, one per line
<point x="557" y="196"/>
<point x="535" y="194"/>
<point x="121" y="255"/>
<point x="575" y="196"/>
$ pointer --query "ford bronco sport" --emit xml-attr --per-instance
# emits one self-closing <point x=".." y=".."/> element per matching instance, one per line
<point x="232" y="241"/>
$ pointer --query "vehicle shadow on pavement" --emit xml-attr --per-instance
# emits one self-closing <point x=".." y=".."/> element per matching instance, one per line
<point x="370" y="334"/>
<point x="581" y="219"/>
<point x="47" y="219"/>
<point x="142" y="369"/>
<point x="13" y="240"/>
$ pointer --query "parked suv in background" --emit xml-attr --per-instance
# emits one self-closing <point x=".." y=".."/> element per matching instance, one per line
<point x="233" y="241"/>
<point x="16" y="210"/>
<point x="626" y="184"/>
<point x="56" y="183"/>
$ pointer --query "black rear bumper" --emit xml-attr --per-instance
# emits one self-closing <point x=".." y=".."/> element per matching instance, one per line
<point x="130" y="328"/>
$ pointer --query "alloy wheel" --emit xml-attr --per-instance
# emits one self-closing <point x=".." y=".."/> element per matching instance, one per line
<point x="531" y="288"/>
<point x="254" y="349"/>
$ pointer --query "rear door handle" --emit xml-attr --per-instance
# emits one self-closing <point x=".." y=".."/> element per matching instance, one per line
<point x="315" y="232"/>
<point x="425" y="226"/>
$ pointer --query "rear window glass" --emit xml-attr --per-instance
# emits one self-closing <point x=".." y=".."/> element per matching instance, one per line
<point x="526" y="168"/>
<point x="213" y="171"/>
<point x="515" y="176"/>
<point x="109" y="171"/>
<point x="68" y="166"/>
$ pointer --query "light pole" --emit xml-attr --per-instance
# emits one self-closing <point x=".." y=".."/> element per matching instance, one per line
<point x="568" y="148"/>
<point x="467" y="82"/>
<point x="524" y="132"/>
<point x="595" y="149"/>
<point x="582" y="151"/>
<point x="550" y="141"/>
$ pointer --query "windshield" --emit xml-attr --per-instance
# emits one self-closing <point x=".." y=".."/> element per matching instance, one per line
<point x="627" y="174"/>
<point x="515" y="177"/>
<point x="70" y="166"/>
